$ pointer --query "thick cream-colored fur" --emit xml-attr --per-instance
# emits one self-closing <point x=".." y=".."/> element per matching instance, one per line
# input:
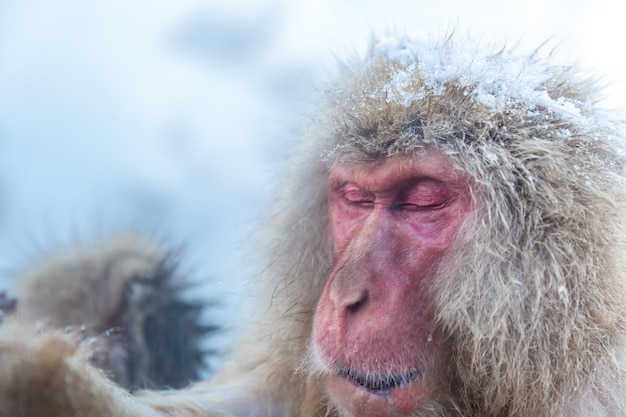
<point x="530" y="303"/>
<point x="47" y="374"/>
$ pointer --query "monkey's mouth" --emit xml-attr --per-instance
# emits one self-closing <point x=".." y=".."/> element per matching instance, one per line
<point x="379" y="384"/>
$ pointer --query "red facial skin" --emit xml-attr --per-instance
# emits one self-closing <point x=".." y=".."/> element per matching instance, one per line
<point x="391" y="225"/>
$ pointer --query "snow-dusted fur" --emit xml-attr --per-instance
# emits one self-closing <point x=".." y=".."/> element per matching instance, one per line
<point x="530" y="301"/>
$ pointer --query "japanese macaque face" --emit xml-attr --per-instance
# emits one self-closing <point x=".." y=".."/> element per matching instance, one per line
<point x="373" y="332"/>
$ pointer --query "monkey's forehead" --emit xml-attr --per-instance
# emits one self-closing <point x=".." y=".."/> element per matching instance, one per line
<point x="409" y="93"/>
<point x="497" y="77"/>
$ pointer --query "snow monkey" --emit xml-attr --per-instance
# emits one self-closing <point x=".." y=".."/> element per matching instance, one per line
<point x="124" y="296"/>
<point x="447" y="240"/>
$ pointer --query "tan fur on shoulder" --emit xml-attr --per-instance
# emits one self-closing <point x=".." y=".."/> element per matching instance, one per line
<point x="46" y="374"/>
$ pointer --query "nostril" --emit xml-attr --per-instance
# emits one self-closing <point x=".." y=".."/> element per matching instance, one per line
<point x="359" y="304"/>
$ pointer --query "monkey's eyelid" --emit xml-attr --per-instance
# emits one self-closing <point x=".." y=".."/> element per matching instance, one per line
<point x="418" y="207"/>
<point x="361" y="203"/>
<point x="356" y="194"/>
<point x="360" y="199"/>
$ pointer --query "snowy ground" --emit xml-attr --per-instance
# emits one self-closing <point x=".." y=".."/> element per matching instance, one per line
<point x="170" y="115"/>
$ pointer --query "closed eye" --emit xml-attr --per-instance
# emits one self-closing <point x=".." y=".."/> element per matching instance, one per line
<point x="418" y="207"/>
<point x="359" y="198"/>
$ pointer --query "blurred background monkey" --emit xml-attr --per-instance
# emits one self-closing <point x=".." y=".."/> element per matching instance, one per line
<point x="125" y="296"/>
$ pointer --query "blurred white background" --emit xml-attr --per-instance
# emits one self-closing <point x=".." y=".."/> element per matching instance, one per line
<point x="170" y="114"/>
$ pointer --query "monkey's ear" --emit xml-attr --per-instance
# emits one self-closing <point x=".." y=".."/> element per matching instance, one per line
<point x="127" y="291"/>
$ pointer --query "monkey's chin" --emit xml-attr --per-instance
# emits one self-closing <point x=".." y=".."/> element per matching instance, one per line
<point x="367" y="395"/>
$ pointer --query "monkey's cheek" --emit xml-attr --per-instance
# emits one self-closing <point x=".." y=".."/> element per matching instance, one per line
<point x="399" y="401"/>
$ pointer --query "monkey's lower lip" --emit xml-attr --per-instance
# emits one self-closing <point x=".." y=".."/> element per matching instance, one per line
<point x="379" y="384"/>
